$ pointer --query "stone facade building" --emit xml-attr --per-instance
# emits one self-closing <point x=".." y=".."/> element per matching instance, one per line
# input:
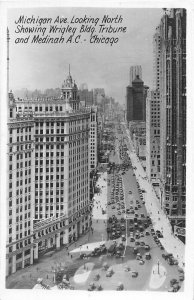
<point x="172" y="30"/>
<point x="136" y="101"/>
<point x="48" y="174"/>
<point x="153" y="138"/>
<point x="134" y="71"/>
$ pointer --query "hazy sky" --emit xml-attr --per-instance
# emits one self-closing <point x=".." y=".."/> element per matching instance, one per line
<point x="44" y="66"/>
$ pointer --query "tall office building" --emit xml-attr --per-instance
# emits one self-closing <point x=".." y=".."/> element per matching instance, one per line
<point x="99" y="96"/>
<point x="134" y="72"/>
<point x="86" y="97"/>
<point x="153" y="138"/>
<point x="93" y="155"/>
<point x="48" y="174"/>
<point x="156" y="59"/>
<point x="172" y="31"/>
<point x="20" y="188"/>
<point x="136" y="100"/>
<point x="153" y="120"/>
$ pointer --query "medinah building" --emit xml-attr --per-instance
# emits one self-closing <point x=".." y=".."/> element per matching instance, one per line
<point x="48" y="171"/>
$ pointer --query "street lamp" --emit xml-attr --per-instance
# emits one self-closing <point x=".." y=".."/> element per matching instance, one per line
<point x="158" y="267"/>
<point x="80" y="247"/>
<point x="54" y="277"/>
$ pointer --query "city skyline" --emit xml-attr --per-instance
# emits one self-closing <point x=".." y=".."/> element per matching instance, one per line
<point x="49" y="63"/>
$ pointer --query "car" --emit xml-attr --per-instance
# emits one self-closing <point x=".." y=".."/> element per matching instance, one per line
<point x="142" y="243"/>
<point x="135" y="225"/>
<point x="134" y="274"/>
<point x="123" y="238"/>
<point x="118" y="254"/>
<point x="138" y="256"/>
<point x="132" y="239"/>
<point x="175" y="261"/>
<point x="121" y="246"/>
<point x="108" y="274"/>
<point x="170" y="261"/>
<point x="173" y="281"/>
<point x="147" y="256"/>
<point x="147" y="247"/>
<point x="91" y="287"/>
<point x="181" y="277"/>
<point x="160" y="235"/>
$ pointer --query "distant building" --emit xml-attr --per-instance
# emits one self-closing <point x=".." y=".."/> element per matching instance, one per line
<point x="134" y="72"/>
<point x="153" y="138"/>
<point x="93" y="141"/>
<point x="136" y="100"/>
<point x="99" y="95"/>
<point x="86" y="97"/>
<point x="138" y="135"/>
<point x="156" y="59"/>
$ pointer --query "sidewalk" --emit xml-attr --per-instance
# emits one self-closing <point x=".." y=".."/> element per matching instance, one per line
<point x="100" y="199"/>
<point x="160" y="221"/>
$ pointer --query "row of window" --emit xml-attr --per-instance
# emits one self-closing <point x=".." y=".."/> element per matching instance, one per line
<point x="21" y="130"/>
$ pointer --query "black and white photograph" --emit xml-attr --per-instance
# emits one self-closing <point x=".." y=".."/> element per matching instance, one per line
<point x="94" y="170"/>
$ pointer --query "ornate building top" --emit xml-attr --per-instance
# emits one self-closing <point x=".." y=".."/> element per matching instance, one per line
<point x="68" y="82"/>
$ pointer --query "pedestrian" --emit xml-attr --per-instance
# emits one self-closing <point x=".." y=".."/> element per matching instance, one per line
<point x="68" y="253"/>
<point x="71" y="256"/>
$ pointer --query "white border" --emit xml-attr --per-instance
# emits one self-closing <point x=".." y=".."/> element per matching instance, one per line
<point x="189" y="282"/>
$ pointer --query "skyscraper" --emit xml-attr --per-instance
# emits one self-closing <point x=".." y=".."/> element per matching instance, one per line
<point x="172" y="31"/>
<point x="153" y="138"/>
<point x="134" y="71"/>
<point x="136" y="100"/>
<point x="48" y="174"/>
